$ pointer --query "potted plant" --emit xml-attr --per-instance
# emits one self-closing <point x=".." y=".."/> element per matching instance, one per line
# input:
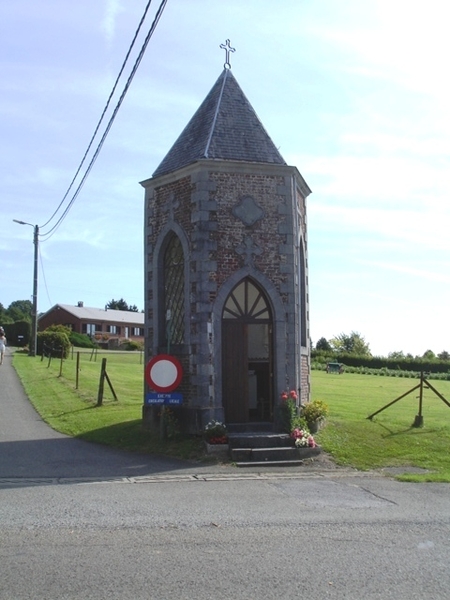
<point x="215" y="435"/>
<point x="314" y="413"/>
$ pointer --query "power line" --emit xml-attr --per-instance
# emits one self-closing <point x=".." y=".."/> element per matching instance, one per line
<point x="158" y="15"/>
<point x="43" y="276"/>
<point x="103" y="113"/>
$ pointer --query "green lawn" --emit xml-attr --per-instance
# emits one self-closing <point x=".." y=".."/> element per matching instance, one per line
<point x="353" y="440"/>
<point x="389" y="438"/>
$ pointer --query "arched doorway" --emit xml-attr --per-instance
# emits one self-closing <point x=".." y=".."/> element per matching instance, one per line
<point x="247" y="355"/>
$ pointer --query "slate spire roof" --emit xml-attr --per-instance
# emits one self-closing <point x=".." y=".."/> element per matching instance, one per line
<point x="225" y="127"/>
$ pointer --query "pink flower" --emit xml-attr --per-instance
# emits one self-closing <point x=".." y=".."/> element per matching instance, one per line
<point x="297" y="434"/>
<point x="311" y="442"/>
<point x="293" y="394"/>
<point x="284" y="396"/>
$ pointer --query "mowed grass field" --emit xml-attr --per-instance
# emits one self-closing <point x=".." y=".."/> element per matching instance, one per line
<point x="389" y="440"/>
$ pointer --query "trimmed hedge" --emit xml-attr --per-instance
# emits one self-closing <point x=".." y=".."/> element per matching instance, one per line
<point x="18" y="333"/>
<point x="385" y="372"/>
<point x="380" y="362"/>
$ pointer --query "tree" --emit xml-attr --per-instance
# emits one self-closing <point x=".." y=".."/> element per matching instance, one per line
<point x="429" y="355"/>
<point x="121" y="305"/>
<point x="353" y="343"/>
<point x="324" y="345"/>
<point x="3" y="314"/>
<point x="20" y="310"/>
<point x="396" y="355"/>
<point x="444" y="355"/>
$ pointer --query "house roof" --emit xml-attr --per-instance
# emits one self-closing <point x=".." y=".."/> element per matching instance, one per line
<point x="86" y="313"/>
<point x="225" y="127"/>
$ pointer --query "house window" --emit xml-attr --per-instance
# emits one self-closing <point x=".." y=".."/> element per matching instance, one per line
<point x="138" y="331"/>
<point x="113" y="329"/>
<point x="91" y="328"/>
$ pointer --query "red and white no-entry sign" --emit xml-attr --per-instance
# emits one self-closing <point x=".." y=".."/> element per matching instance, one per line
<point x="163" y="373"/>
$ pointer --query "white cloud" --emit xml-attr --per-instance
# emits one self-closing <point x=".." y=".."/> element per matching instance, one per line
<point x="443" y="276"/>
<point x="108" y="25"/>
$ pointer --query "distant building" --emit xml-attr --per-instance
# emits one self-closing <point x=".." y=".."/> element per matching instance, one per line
<point x="226" y="265"/>
<point x="106" y="326"/>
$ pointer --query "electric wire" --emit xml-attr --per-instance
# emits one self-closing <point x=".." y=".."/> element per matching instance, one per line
<point x="45" y="236"/>
<point x="103" y="113"/>
<point x="43" y="276"/>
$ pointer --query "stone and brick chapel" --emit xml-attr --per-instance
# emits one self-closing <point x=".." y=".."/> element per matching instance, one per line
<point x="226" y="276"/>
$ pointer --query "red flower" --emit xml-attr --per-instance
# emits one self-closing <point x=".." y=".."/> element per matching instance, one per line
<point x="220" y="439"/>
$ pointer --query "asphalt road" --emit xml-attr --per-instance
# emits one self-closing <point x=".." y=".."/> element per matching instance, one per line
<point x="78" y="521"/>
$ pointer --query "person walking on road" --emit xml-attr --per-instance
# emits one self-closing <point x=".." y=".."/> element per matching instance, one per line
<point x="2" y="344"/>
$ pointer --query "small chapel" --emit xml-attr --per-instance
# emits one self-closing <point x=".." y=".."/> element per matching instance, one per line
<point x="226" y="266"/>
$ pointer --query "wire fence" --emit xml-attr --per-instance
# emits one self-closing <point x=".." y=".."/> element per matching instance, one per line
<point x="99" y="375"/>
<point x="113" y="356"/>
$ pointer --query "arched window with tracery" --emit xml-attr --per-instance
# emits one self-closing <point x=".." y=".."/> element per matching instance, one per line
<point x="173" y="292"/>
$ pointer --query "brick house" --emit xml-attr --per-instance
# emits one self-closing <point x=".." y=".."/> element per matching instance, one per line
<point x="226" y="283"/>
<point x="105" y="325"/>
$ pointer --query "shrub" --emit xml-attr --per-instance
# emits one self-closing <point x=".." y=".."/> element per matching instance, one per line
<point x="314" y="411"/>
<point x="132" y="346"/>
<point x="81" y="340"/>
<point x="53" y="342"/>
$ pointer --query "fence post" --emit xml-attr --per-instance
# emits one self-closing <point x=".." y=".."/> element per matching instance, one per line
<point x="101" y="385"/>
<point x="62" y="359"/>
<point x="78" y="370"/>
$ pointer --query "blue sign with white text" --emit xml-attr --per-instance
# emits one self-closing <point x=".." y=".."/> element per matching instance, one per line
<point x="172" y="398"/>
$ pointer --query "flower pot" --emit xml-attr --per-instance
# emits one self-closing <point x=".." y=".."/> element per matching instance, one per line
<point x="315" y="425"/>
<point x="216" y="448"/>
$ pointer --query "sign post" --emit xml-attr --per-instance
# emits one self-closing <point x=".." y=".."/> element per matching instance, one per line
<point x="163" y="374"/>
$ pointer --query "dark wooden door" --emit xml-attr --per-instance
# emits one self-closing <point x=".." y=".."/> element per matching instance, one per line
<point x="235" y="371"/>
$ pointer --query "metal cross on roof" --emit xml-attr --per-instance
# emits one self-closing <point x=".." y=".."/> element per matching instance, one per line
<point x="228" y="49"/>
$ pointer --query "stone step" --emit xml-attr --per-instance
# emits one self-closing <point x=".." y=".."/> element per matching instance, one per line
<point x="251" y="427"/>
<point x="272" y="463"/>
<point x="259" y="440"/>
<point x="272" y="455"/>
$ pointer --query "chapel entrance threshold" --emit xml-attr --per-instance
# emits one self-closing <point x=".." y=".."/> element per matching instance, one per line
<point x="251" y="427"/>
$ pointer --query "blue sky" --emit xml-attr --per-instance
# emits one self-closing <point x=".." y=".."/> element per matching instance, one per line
<point x="355" y="95"/>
